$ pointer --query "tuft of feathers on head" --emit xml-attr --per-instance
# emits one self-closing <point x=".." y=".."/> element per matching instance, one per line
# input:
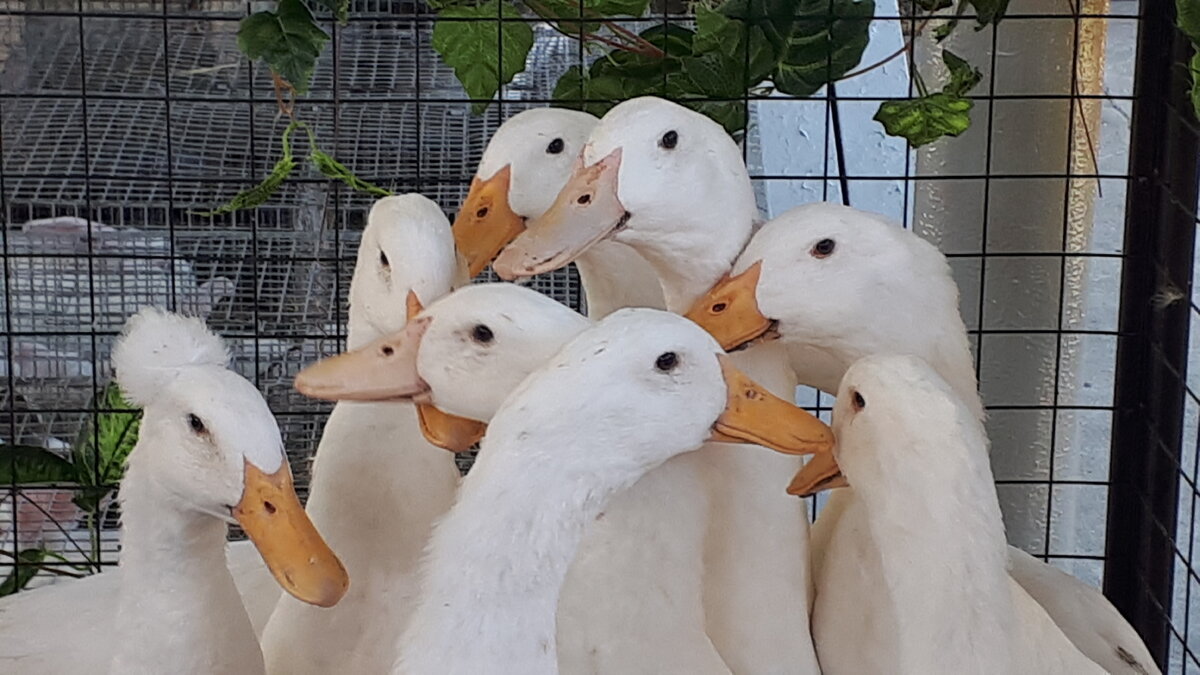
<point x="155" y="344"/>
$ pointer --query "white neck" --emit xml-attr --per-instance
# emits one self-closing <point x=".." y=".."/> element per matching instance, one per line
<point x="688" y="268"/>
<point x="178" y="603"/>
<point x="944" y="346"/>
<point x="496" y="566"/>
<point x="615" y="276"/>
<point x="941" y="540"/>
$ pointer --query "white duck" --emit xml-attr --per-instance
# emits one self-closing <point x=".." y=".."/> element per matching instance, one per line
<point x="617" y="613"/>
<point x="69" y="627"/>
<point x="618" y="400"/>
<point x="834" y="284"/>
<point x="671" y="184"/>
<point x="377" y="484"/>
<point x="941" y="599"/>
<point x="525" y="164"/>
<point x="208" y="454"/>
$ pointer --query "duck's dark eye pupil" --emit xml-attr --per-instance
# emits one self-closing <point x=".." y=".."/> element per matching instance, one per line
<point x="555" y="147"/>
<point x="584" y="199"/>
<point x="481" y="213"/>
<point x="669" y="140"/>
<point x="195" y="423"/>
<point x="482" y="334"/>
<point x="859" y="401"/>
<point x="824" y="248"/>
<point x="719" y="307"/>
<point x="666" y="361"/>
<point x="383" y="259"/>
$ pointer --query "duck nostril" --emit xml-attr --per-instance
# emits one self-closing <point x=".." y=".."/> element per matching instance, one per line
<point x="387" y="350"/>
<point x="270" y="508"/>
<point x="584" y="199"/>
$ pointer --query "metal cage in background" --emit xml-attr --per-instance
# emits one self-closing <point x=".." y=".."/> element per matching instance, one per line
<point x="1067" y="212"/>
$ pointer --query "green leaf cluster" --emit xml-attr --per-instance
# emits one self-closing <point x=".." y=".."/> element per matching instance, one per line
<point x="97" y="459"/>
<point x="288" y="40"/>
<point x="798" y="45"/>
<point x="929" y="117"/>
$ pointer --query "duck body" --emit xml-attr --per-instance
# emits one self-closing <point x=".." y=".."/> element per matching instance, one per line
<point x="941" y="599"/>
<point x="592" y="422"/>
<point x="208" y="453"/>
<point x="879" y="289"/>
<point x="377" y="487"/>
<point x="377" y="484"/>
<point x="670" y="184"/>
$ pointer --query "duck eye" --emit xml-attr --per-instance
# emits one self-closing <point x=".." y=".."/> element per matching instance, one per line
<point x="666" y="361"/>
<point x="555" y="147"/>
<point x="482" y="334"/>
<point x="823" y="248"/>
<point x="719" y="307"/>
<point x="584" y="198"/>
<point x="669" y="140"/>
<point x="482" y="212"/>
<point x="383" y="259"/>
<point x="196" y="424"/>
<point x="859" y="401"/>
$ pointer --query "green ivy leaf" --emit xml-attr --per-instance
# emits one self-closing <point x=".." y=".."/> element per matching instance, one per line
<point x="623" y="75"/>
<point x="288" y="40"/>
<point x="470" y="47"/>
<point x="340" y="9"/>
<point x="943" y="31"/>
<point x="757" y="46"/>
<point x="29" y="465"/>
<point x="110" y="440"/>
<point x="987" y="11"/>
<point x="24" y="571"/>
<point x="824" y="45"/>
<point x="928" y="118"/>
<point x="963" y="77"/>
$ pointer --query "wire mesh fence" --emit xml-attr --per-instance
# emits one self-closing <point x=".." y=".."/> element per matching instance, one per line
<point x="119" y="120"/>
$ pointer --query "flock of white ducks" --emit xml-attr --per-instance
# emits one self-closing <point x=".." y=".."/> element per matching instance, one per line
<point x="619" y="518"/>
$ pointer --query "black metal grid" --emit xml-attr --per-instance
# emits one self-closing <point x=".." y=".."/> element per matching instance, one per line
<point x="1152" y="574"/>
<point x="136" y="111"/>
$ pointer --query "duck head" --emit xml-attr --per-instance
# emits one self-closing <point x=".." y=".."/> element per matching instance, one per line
<point x="654" y="175"/>
<point x="640" y="387"/>
<point x="208" y="440"/>
<point x="461" y="356"/>
<point x="898" y="423"/>
<point x="406" y="246"/>
<point x="837" y="284"/>
<point x="525" y="163"/>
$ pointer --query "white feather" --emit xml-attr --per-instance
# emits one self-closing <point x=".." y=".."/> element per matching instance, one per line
<point x="155" y="345"/>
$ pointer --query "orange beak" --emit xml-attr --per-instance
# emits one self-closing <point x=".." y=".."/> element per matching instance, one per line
<point x="446" y="431"/>
<point x="820" y="473"/>
<point x="299" y="559"/>
<point x="383" y="370"/>
<point x="586" y="210"/>
<point x="755" y="415"/>
<point x="386" y="370"/>
<point x="485" y="222"/>
<point x="730" y="313"/>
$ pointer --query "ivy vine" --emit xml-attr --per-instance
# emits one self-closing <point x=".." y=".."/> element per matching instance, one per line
<point x="732" y="49"/>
